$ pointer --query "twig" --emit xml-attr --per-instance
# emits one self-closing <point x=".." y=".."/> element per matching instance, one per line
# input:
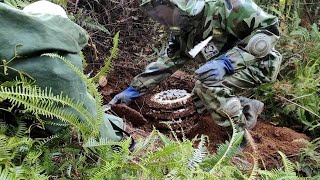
<point x="308" y="12"/>
<point x="299" y="106"/>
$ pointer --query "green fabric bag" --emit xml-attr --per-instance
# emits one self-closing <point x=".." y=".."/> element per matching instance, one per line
<point x="33" y="35"/>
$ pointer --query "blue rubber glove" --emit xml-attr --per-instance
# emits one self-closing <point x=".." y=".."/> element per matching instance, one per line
<point x="214" y="70"/>
<point x="125" y="96"/>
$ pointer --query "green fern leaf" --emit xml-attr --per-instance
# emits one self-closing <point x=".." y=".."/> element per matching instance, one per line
<point x="104" y="171"/>
<point x="6" y="175"/>
<point x="226" y="151"/>
<point x="147" y="142"/>
<point x="95" y="122"/>
<point x="4" y="149"/>
<point x="43" y="102"/>
<point x="288" y="165"/>
<point x="255" y="169"/>
<point x="22" y="129"/>
<point x="199" y="154"/>
<point x="114" y="53"/>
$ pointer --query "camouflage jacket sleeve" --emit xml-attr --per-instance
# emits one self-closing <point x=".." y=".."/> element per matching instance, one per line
<point x="169" y="61"/>
<point x="243" y="19"/>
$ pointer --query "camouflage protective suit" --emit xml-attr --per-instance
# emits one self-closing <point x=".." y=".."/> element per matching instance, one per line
<point x="231" y="23"/>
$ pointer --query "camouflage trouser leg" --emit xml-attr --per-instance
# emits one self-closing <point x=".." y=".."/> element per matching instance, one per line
<point x="249" y="74"/>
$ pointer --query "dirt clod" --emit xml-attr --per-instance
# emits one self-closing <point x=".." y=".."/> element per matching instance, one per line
<point x="129" y="114"/>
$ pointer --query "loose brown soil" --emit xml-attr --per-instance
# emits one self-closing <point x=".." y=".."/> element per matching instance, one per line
<point x="268" y="138"/>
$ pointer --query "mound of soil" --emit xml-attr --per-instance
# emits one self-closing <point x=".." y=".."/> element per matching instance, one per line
<point x="132" y="116"/>
<point x="270" y="139"/>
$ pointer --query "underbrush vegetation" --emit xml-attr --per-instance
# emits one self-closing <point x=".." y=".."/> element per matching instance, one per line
<point x="78" y="152"/>
<point x="297" y="91"/>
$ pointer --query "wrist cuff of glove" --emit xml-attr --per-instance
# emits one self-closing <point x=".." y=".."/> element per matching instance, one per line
<point x="228" y="65"/>
<point x="133" y="93"/>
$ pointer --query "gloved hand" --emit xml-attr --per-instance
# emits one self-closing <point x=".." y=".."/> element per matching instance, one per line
<point x="125" y="96"/>
<point x="214" y="70"/>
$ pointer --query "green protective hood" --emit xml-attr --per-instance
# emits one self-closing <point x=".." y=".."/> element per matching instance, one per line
<point x="33" y="35"/>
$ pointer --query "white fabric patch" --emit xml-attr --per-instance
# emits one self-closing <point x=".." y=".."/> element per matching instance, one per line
<point x="198" y="7"/>
<point x="45" y="7"/>
<point x="210" y="51"/>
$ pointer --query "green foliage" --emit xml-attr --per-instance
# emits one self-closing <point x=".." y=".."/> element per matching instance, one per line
<point x="94" y="123"/>
<point x="309" y="160"/>
<point x="17" y="156"/>
<point x="298" y="90"/>
<point x="113" y="54"/>
<point x="83" y="18"/>
<point x="63" y="3"/>
<point x="44" y="103"/>
<point x="17" y="3"/>
<point x="288" y="171"/>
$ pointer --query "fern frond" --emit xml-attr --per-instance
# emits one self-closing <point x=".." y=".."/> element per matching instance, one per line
<point x="199" y="153"/>
<point x="33" y="156"/>
<point x="94" y="143"/>
<point x="301" y="32"/>
<point x="74" y="68"/>
<point x="4" y="149"/>
<point x="57" y="124"/>
<point x="34" y="171"/>
<point x="165" y="139"/>
<point x="123" y="145"/>
<point x="14" y="142"/>
<point x="255" y="169"/>
<point x="6" y="175"/>
<point x="114" y="53"/>
<point x="277" y="175"/>
<point x="288" y="165"/>
<point x="89" y="22"/>
<point x="96" y="122"/>
<point x="287" y="173"/>
<point x="22" y="129"/>
<point x="39" y="102"/>
<point x="166" y="152"/>
<point x="37" y="95"/>
<point x="147" y="142"/>
<point x="226" y="151"/>
<point x="44" y="141"/>
<point x="3" y="127"/>
<point x="103" y="171"/>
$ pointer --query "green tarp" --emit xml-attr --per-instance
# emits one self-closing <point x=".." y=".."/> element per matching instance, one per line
<point x="33" y="35"/>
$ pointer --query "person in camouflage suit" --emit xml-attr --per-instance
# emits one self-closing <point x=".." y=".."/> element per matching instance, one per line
<point x="239" y="54"/>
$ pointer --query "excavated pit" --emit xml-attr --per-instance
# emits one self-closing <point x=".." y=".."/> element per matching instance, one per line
<point x="170" y="109"/>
